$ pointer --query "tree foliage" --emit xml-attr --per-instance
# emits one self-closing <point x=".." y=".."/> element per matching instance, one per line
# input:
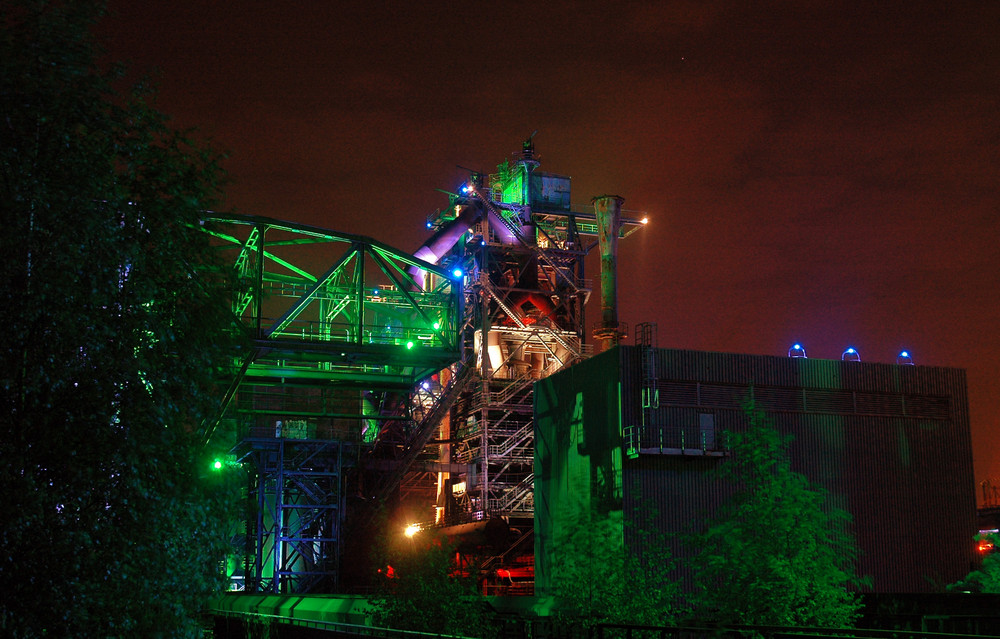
<point x="985" y="579"/>
<point x="420" y="589"/>
<point x="113" y="335"/>
<point x="776" y="553"/>
<point x="596" y="580"/>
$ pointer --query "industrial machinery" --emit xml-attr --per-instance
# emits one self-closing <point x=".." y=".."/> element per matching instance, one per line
<point x="521" y="246"/>
<point x="378" y="378"/>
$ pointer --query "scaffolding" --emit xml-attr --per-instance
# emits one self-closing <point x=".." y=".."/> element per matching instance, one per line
<point x="523" y="248"/>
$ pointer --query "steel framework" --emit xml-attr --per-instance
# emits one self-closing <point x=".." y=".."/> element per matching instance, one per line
<point x="524" y="248"/>
<point x="412" y="374"/>
<point x="336" y="323"/>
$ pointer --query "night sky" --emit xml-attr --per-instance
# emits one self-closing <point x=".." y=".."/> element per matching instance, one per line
<point x="822" y="172"/>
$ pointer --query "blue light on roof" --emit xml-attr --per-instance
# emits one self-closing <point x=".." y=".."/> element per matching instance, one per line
<point x="797" y="351"/>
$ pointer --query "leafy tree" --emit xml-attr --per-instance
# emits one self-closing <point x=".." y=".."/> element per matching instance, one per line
<point x="420" y="589"/>
<point x="595" y="580"/>
<point x="113" y="334"/>
<point x="776" y="553"/>
<point x="987" y="578"/>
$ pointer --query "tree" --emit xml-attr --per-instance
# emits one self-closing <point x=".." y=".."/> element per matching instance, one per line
<point x="596" y="580"/>
<point x="420" y="588"/>
<point x="776" y="553"/>
<point x="113" y="335"/>
<point x="987" y="578"/>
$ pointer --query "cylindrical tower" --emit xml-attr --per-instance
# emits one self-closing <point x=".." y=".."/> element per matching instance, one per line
<point x="608" y="209"/>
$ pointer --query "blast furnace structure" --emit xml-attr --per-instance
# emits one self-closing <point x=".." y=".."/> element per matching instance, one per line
<point x="377" y="379"/>
<point x="521" y="247"/>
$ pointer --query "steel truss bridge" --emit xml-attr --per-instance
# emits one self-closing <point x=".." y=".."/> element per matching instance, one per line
<point x="336" y="327"/>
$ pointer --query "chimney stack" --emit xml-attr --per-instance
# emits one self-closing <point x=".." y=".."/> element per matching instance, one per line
<point x="608" y="209"/>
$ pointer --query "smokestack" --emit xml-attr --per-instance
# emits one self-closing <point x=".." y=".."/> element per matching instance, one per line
<point x="609" y="217"/>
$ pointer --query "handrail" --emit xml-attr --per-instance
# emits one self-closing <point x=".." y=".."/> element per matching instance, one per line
<point x="514" y="440"/>
<point x="424" y="431"/>
<point x="770" y="632"/>
<point x="337" y="626"/>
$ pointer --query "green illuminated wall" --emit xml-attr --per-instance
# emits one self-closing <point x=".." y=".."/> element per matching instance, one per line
<point x="890" y="443"/>
<point x="578" y="460"/>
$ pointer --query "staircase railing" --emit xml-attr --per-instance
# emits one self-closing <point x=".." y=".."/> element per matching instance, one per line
<point x="514" y="441"/>
<point x="425" y="430"/>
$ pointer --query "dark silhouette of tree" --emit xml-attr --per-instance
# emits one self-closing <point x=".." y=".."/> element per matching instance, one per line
<point x="595" y="579"/>
<point x="420" y="588"/>
<point x="986" y="578"/>
<point x="112" y="337"/>
<point x="776" y="553"/>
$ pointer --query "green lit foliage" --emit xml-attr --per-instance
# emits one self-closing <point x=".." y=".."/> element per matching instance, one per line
<point x="987" y="578"/>
<point x="112" y="337"/>
<point x="419" y="588"/>
<point x="776" y="553"/>
<point x="595" y="580"/>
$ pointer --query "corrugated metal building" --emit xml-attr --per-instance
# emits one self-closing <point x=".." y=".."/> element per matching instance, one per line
<point x="640" y="430"/>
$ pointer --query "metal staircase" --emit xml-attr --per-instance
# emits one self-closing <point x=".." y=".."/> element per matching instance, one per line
<point x="424" y="431"/>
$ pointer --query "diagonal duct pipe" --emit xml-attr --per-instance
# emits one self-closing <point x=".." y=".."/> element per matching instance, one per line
<point x="608" y="209"/>
<point x="443" y="240"/>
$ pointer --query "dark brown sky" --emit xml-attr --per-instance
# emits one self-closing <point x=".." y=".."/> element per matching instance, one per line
<point x="823" y="172"/>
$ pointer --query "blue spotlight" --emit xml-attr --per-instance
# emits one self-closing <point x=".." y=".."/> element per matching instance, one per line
<point x="457" y="273"/>
<point x="904" y="358"/>
<point x="797" y="351"/>
<point x="850" y="355"/>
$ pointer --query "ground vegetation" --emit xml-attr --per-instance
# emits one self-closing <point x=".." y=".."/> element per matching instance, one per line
<point x="594" y="579"/>
<point x="421" y="587"/>
<point x="985" y="578"/>
<point x="777" y="552"/>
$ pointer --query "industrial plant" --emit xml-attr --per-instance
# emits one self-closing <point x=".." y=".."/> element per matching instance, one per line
<point x="457" y="388"/>
<point x="385" y="384"/>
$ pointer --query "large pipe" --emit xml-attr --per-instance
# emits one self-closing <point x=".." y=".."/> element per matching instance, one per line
<point x="608" y="209"/>
<point x="504" y="234"/>
<point x="443" y="240"/>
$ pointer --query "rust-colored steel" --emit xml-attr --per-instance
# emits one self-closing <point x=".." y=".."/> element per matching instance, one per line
<point x="608" y="209"/>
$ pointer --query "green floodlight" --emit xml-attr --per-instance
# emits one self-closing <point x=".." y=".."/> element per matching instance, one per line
<point x="409" y="345"/>
<point x="437" y="325"/>
<point x="217" y="464"/>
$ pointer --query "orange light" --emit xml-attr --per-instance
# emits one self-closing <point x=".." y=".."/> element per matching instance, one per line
<point x="984" y="546"/>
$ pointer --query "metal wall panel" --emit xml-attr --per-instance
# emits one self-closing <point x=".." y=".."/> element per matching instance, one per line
<point x="890" y="443"/>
